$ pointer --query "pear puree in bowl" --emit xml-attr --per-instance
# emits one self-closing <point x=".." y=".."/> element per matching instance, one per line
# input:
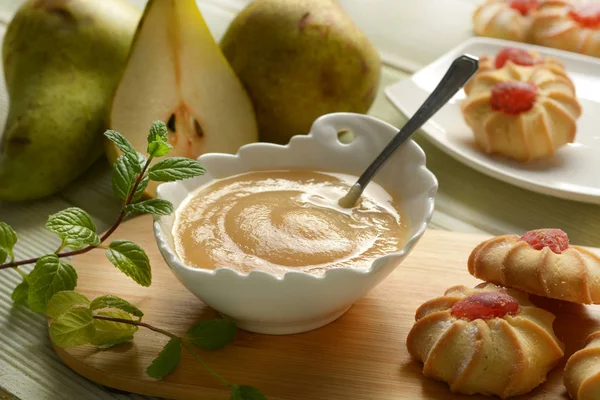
<point x="278" y="221"/>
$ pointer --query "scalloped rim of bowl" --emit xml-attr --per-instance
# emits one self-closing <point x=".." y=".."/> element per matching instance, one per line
<point x="329" y="273"/>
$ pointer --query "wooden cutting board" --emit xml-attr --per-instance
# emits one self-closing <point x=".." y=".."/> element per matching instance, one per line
<point x="362" y="355"/>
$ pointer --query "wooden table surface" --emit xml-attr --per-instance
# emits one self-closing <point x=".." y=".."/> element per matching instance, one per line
<point x="409" y="34"/>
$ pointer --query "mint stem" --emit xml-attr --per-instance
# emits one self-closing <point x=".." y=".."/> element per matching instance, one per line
<point x="185" y="343"/>
<point x="109" y="232"/>
<point x="137" y="182"/>
<point x="23" y="274"/>
<point x="62" y="246"/>
<point x="189" y="348"/>
<point x="137" y="323"/>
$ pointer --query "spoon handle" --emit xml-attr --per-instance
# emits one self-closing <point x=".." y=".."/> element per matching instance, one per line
<point x="455" y="78"/>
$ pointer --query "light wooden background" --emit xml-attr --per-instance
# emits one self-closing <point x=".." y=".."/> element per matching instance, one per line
<point x="409" y="34"/>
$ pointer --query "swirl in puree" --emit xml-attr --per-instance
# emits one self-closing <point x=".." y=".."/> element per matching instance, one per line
<point x="277" y="221"/>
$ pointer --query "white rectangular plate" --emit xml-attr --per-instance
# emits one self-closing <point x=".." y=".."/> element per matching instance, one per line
<point x="573" y="173"/>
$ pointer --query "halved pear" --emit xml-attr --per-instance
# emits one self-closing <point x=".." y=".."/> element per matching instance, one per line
<point x="176" y="73"/>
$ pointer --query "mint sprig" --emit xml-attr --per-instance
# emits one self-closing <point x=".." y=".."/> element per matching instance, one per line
<point x="108" y="321"/>
<point x="115" y="326"/>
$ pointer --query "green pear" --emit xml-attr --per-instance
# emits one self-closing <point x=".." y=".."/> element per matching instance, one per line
<point x="176" y="73"/>
<point x="299" y="60"/>
<point x="62" y="61"/>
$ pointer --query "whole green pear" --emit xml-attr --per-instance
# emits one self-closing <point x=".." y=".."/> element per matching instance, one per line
<point x="62" y="61"/>
<point x="299" y="60"/>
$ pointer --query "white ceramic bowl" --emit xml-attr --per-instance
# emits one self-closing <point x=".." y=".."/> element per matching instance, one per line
<point x="297" y="301"/>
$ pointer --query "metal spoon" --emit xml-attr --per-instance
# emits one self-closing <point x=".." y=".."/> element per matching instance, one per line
<point x="461" y="70"/>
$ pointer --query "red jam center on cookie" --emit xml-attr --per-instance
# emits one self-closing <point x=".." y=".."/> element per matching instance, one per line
<point x="587" y="15"/>
<point x="513" y="97"/>
<point x="517" y="56"/>
<point x="555" y="239"/>
<point x="485" y="305"/>
<point x="525" y="7"/>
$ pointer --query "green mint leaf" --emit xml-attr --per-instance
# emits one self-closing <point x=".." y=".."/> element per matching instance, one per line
<point x="74" y="225"/>
<point x="49" y="276"/>
<point x="159" y="149"/>
<point x="157" y="139"/>
<point x="120" y="141"/>
<point x="152" y="206"/>
<point x="8" y="239"/>
<point x="158" y="132"/>
<point x="64" y="301"/>
<point x="110" y="301"/>
<point x="131" y="260"/>
<point x="212" y="333"/>
<point x="174" y="169"/>
<point x="126" y="147"/>
<point x="243" y="392"/>
<point x="19" y="294"/>
<point x="124" y="176"/>
<point x="166" y="361"/>
<point x="73" y="328"/>
<point x="109" y="333"/>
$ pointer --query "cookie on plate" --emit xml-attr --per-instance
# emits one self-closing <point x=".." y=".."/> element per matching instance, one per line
<point x="518" y="57"/>
<point x="568" y="25"/>
<point x="505" y="19"/>
<point x="523" y="112"/>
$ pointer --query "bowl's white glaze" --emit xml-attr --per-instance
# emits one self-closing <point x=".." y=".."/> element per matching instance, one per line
<point x="298" y="302"/>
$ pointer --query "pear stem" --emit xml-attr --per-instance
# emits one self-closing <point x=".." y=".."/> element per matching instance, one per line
<point x="106" y="234"/>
